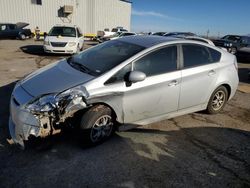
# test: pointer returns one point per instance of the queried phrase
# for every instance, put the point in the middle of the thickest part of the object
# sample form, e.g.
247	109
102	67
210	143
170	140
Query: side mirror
136	76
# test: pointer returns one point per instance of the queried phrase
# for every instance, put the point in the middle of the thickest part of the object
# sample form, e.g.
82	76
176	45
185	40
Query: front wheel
97	125
22	36
217	100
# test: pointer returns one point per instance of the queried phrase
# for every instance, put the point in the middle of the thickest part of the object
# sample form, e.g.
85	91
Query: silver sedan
133	80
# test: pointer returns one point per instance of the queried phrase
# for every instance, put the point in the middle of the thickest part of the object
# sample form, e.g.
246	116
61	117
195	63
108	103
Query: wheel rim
101	129
218	100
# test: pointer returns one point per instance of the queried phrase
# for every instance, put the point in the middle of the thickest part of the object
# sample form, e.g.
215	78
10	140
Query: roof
146	40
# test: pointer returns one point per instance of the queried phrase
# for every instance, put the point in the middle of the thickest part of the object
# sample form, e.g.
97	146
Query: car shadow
244	75
38	50
5	94
187	157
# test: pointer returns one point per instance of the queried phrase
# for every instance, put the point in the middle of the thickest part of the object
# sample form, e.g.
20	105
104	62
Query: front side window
121	75
105	56
63	31
11	27
196	55
158	62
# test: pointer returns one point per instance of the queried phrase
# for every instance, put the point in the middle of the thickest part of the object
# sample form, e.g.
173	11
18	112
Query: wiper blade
81	67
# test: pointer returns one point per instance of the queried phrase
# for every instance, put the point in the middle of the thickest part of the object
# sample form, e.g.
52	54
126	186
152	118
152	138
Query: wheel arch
106	105
228	87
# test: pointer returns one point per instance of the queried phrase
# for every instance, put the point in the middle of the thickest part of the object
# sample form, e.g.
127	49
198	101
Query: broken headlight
69	100
45	103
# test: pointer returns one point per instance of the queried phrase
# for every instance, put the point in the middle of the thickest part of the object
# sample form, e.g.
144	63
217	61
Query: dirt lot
195	150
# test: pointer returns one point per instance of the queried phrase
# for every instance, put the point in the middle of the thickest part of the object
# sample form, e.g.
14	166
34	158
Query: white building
90	15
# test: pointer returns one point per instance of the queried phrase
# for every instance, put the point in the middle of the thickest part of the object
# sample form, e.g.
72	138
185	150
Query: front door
158	94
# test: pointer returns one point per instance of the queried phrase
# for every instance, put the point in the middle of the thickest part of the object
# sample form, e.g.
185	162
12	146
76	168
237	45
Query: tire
217	100
22	36
97	125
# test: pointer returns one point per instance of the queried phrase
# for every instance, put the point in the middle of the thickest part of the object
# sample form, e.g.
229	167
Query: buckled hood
54	78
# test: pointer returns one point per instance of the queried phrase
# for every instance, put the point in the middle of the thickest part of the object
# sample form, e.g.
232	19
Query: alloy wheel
218	100
101	129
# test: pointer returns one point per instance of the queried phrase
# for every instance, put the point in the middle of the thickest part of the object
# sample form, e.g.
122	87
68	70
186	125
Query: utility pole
208	33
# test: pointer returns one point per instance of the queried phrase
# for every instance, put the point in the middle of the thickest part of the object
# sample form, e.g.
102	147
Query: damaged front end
40	116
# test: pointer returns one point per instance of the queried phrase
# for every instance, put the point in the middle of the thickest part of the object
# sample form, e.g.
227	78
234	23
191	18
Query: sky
218	17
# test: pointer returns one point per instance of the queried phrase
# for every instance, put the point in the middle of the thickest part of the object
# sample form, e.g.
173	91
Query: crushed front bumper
22	124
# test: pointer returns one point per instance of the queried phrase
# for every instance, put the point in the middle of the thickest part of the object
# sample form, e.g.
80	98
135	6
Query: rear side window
158	62
197	55
215	55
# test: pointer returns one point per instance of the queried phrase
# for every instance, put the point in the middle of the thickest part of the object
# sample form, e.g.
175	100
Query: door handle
173	83
212	72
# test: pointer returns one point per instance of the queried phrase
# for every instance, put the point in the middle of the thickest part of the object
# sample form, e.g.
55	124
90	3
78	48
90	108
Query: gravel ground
195	150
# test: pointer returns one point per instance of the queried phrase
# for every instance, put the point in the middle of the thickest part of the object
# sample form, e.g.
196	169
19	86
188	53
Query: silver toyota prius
129	81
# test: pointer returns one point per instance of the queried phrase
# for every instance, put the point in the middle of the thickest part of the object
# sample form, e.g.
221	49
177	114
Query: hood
21	25
53	78
60	39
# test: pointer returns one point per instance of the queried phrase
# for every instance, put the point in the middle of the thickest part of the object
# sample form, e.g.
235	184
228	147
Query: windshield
232	38
63	31
105	56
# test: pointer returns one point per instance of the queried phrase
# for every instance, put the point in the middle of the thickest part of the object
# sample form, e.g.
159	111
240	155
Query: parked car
115	36
106	33
123	34
106	38
200	39
9	30
179	34
64	39
159	33
243	54
132	80
233	42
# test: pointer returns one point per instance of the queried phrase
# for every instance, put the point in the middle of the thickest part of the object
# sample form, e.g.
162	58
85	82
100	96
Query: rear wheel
97	125
217	100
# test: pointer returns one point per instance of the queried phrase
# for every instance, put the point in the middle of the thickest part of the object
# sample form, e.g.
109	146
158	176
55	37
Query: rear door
12	31
199	74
